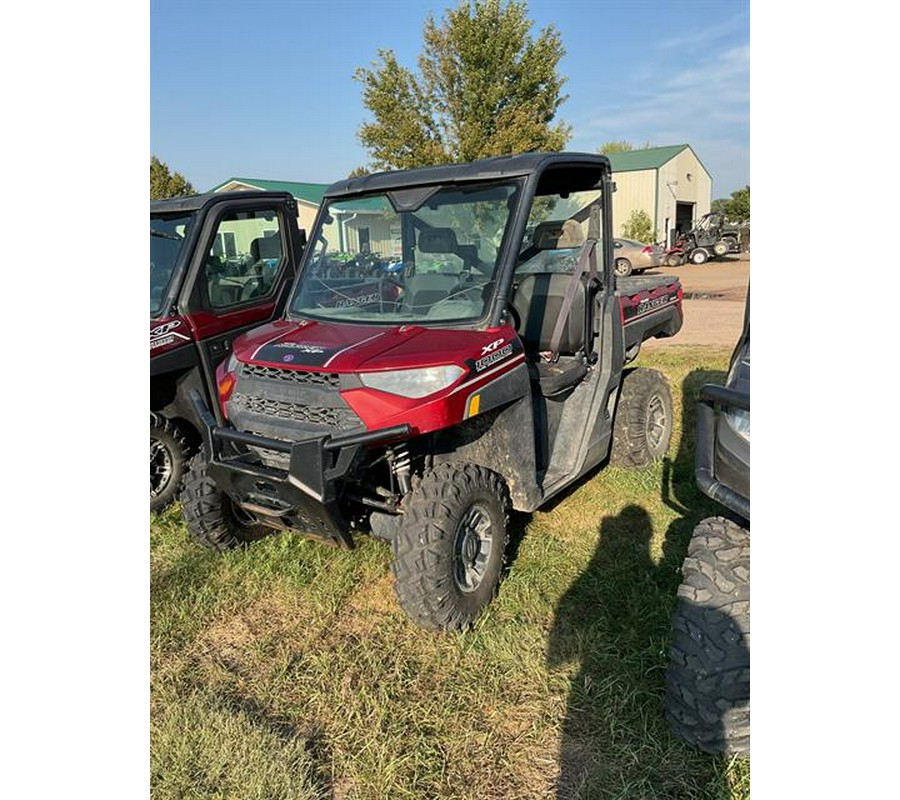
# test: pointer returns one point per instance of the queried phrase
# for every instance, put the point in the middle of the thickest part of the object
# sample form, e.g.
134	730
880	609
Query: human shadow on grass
615	623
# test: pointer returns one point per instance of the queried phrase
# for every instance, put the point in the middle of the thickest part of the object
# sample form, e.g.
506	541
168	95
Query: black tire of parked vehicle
211	518
642	428
450	545
708	680
168	455
622	267
720	248
699	256
675	260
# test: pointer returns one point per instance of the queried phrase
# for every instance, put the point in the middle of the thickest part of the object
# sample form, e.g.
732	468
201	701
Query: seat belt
587	257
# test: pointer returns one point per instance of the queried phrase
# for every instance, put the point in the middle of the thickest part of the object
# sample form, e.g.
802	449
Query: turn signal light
226	387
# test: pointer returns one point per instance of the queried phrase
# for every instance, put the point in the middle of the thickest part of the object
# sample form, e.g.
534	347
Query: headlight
739	420
413	382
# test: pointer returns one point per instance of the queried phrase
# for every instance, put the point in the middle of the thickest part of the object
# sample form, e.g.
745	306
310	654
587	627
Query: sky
265	88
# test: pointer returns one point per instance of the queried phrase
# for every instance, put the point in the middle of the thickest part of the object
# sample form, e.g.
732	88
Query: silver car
635	257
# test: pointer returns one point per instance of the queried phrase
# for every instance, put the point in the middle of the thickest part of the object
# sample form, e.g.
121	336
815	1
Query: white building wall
634	190
684	180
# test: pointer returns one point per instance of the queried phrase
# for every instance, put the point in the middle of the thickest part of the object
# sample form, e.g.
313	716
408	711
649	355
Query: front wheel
622	267
212	519
708	680
699	256
642	428
168	455
450	545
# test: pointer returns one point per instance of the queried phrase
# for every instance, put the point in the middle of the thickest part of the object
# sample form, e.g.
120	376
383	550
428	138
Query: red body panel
169	333
645	302
206	324
346	348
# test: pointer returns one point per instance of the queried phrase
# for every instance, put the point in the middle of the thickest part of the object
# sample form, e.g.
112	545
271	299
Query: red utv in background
220	264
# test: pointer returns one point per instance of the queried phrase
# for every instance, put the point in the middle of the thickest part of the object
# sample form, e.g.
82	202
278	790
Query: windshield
437	262
167	235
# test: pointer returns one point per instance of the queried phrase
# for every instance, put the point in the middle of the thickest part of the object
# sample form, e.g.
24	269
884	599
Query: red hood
360	348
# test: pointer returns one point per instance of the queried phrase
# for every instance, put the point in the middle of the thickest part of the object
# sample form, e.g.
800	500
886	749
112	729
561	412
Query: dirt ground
714	296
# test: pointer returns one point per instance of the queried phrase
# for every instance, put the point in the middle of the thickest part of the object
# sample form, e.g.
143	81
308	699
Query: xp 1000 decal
166	333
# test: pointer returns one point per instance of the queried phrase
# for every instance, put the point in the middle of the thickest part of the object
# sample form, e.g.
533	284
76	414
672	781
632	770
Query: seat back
558	235
265	247
537	300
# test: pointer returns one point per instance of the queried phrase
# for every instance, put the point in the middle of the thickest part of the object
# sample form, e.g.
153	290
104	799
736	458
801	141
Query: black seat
537	303
264	247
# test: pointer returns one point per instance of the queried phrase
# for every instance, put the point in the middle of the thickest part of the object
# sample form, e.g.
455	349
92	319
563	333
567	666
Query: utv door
240	275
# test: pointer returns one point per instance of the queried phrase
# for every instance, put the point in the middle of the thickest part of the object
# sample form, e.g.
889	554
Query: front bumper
305	496
726	485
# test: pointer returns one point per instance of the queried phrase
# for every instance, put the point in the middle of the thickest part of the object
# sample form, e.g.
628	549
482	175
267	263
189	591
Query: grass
287	670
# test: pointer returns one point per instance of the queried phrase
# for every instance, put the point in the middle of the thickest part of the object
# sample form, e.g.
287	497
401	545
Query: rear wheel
212	519
720	248
622	267
168	455
699	256
642	428
674	259
450	544
708	680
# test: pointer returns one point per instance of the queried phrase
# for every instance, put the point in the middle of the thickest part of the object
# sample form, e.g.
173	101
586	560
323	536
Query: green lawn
287	670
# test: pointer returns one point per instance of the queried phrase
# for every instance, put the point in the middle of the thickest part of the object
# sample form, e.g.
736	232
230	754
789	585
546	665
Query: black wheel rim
657	423
472	548
161	467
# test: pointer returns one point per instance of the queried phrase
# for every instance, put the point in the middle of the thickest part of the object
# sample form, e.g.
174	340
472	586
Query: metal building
669	183
308	195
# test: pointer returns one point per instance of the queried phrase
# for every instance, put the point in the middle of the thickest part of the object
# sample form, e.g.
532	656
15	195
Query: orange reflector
474	403
226	386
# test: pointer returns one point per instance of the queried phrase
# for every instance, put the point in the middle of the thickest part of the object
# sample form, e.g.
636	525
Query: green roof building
669	183
308	195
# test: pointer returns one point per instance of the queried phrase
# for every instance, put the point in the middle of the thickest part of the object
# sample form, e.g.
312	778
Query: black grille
342	418
303	377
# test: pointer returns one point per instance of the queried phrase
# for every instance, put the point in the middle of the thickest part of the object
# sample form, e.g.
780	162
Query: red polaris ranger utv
220	264
453	347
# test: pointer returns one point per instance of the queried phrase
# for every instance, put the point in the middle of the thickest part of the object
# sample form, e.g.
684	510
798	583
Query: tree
165	184
358	172
738	208
485	88
621	147
639	227
718	205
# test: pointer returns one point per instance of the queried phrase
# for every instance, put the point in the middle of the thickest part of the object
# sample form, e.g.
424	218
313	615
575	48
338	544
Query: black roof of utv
497	168
195	202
